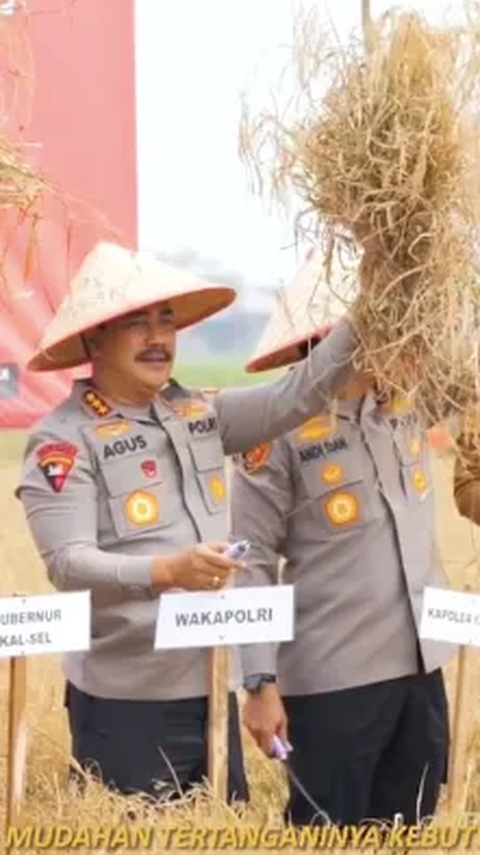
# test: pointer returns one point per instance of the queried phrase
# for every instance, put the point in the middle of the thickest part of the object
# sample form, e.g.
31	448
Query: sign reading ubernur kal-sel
45	623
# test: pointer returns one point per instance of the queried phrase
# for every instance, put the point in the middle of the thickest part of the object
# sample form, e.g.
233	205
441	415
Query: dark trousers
156	748
368	753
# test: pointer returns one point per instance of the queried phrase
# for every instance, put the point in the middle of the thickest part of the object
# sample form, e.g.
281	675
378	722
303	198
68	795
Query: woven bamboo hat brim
113	281
308	307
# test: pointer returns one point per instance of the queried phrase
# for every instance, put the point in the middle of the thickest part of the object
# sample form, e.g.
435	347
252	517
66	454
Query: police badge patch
256	457
55	461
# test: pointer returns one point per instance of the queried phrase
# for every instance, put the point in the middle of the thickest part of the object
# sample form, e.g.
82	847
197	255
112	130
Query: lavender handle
237	550
280	751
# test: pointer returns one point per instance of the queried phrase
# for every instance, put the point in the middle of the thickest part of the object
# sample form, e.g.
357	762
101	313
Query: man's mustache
155	354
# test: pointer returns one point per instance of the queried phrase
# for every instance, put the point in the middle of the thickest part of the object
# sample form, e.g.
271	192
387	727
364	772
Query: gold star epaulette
95	404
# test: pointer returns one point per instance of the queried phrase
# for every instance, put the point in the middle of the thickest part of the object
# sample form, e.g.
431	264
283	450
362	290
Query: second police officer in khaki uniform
124	492
346	499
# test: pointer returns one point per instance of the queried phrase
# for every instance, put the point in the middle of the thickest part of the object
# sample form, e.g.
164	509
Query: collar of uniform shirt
139	414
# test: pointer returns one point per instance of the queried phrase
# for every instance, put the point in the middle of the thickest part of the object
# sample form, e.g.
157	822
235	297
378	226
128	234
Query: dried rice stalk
382	151
20	184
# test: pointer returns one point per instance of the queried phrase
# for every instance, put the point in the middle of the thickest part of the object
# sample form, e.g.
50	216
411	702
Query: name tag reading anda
47	623
229	617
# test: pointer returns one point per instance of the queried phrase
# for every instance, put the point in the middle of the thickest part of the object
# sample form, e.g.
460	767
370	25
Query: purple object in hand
238	549
280	750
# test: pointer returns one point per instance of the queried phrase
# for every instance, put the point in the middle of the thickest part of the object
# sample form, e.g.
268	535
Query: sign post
460	735
454	616
219	620
33	625
218	722
17	738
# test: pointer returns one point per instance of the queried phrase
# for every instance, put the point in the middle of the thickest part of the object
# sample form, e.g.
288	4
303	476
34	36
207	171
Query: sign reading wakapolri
232	616
47	623
451	616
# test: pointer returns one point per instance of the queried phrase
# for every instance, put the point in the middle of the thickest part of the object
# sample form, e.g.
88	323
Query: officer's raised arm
252	415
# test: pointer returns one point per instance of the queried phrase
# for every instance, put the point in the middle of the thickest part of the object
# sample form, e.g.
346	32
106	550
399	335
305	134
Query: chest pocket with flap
413	453
208	459
133	483
341	489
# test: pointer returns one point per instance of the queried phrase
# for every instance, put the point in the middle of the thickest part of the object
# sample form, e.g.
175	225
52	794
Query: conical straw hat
309	306
113	281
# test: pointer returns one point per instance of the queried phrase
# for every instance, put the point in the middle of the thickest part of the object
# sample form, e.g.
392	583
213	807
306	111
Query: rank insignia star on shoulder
95	404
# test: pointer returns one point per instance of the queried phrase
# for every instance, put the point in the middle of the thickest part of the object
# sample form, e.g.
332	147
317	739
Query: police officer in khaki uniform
124	491
346	499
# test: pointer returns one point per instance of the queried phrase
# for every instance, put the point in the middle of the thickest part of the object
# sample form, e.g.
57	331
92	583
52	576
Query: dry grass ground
49	800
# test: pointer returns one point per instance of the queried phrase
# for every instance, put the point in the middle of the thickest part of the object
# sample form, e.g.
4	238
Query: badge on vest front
141	508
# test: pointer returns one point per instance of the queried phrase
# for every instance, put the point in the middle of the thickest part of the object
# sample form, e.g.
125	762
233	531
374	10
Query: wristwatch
254	682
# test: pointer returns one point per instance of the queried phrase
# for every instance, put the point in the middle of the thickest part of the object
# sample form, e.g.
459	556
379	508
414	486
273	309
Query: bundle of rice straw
21	185
386	160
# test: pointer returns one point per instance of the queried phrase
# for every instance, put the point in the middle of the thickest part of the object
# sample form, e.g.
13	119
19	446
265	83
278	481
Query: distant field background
49	798
220	373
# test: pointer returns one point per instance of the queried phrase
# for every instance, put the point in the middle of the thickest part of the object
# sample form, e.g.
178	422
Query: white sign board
47	623
451	616
232	616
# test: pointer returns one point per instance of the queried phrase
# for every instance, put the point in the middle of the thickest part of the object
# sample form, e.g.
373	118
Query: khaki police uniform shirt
347	500
107	488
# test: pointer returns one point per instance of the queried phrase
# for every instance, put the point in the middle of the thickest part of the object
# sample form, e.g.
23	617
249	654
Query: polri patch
55	460
256	457
95	403
203	427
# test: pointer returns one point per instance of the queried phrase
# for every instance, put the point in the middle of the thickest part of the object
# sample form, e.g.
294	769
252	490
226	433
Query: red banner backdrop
79	130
